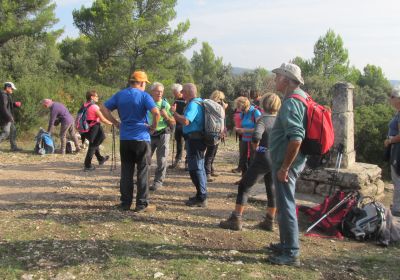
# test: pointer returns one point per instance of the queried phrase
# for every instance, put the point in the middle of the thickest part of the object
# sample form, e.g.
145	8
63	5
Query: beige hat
290	70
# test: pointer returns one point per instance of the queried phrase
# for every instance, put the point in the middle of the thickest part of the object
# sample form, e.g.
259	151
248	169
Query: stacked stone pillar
352	175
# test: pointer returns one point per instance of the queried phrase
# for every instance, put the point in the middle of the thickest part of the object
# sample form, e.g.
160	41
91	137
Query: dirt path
58	222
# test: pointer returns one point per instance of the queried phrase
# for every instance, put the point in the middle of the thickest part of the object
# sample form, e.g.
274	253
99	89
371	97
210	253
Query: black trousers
179	142
259	167
134	154
211	152
95	136
246	153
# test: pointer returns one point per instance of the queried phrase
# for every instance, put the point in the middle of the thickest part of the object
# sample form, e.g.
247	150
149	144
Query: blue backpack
44	143
81	122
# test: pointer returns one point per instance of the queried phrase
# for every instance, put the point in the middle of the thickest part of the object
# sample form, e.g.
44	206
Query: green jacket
290	125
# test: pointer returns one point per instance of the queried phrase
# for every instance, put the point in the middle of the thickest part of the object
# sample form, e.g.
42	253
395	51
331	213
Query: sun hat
10	84
139	76
291	71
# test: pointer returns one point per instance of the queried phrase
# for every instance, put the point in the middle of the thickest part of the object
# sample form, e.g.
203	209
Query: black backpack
365	220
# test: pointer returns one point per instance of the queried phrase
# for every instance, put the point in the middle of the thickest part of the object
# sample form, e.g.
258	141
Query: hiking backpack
44	143
81	122
319	131
214	124
364	220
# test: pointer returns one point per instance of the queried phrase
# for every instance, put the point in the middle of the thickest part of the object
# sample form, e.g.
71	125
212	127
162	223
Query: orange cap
139	76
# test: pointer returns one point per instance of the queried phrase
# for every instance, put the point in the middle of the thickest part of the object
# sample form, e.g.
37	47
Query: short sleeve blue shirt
249	121
132	105
194	113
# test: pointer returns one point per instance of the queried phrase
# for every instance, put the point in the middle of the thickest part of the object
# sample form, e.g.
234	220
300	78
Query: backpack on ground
44	143
81	122
214	125
365	220
319	131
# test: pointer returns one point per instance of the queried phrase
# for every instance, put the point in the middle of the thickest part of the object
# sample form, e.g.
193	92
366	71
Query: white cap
10	84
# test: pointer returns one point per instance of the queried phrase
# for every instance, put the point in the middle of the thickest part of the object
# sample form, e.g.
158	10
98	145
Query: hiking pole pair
334	180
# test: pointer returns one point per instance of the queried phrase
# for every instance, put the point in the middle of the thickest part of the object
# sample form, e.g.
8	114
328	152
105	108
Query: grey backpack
214	125
366	220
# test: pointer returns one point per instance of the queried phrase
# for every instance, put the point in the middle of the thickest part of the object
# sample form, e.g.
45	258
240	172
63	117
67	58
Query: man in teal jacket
287	161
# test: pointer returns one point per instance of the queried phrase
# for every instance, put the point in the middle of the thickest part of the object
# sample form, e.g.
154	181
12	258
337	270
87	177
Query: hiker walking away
394	141
95	135
160	137
132	104
180	104
211	151
287	161
248	117
193	129
7	121
59	114
260	167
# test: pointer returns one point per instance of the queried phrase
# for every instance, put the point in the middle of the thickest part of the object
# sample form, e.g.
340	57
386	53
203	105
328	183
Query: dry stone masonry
352	175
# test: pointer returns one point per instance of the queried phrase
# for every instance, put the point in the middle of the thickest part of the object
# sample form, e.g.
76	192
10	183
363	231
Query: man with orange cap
132	104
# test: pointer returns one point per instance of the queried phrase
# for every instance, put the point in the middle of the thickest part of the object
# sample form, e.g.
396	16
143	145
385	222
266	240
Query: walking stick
345	199
113	154
173	145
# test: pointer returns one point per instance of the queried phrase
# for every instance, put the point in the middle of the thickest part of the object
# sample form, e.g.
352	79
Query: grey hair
176	88
155	85
396	92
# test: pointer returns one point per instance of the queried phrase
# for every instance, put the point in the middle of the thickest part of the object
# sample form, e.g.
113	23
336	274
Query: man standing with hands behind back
132	104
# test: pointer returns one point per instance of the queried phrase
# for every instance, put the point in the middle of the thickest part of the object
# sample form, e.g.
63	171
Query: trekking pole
337	166
173	146
113	154
345	199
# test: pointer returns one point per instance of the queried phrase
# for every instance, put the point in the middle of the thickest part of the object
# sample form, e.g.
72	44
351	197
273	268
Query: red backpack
319	131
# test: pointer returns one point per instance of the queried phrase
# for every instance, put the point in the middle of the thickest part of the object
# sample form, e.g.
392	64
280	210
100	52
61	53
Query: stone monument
351	175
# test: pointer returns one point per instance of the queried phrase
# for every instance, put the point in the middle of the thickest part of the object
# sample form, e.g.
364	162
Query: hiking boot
148	209
155	187
90	168
285	260
209	179
234	222
101	162
267	224
176	164
275	247
236	170
123	207
195	202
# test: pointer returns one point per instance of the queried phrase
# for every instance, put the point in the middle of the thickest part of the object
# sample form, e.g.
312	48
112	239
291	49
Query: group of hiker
271	132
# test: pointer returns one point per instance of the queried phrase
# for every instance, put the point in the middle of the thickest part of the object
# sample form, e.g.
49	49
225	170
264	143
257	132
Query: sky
265	33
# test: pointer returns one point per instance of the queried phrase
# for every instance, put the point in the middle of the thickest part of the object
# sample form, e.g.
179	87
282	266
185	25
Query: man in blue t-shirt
132	104
193	127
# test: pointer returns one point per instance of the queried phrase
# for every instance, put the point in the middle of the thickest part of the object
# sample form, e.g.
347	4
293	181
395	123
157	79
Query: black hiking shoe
285	260
145	209
195	202
101	162
123	207
267	224
234	222
88	169
274	247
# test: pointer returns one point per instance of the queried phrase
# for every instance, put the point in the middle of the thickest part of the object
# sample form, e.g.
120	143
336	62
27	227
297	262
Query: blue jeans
195	157
287	218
